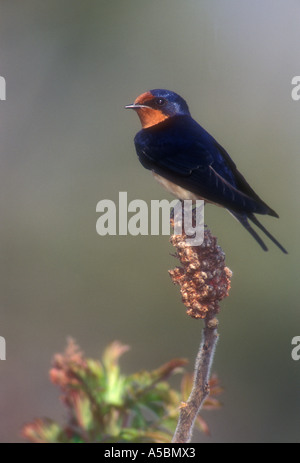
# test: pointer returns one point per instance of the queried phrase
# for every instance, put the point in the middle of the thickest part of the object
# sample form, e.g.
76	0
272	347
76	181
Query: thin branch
200	391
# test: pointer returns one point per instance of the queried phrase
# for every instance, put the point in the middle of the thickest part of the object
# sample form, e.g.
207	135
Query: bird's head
158	105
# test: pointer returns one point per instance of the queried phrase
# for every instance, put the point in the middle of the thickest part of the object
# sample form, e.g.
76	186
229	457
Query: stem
200	391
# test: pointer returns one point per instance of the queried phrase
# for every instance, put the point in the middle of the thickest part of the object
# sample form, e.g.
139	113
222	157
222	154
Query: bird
189	163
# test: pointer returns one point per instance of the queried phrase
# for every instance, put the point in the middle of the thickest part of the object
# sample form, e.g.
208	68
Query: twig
200	391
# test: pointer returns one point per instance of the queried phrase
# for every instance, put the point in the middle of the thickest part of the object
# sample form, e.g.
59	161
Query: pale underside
178	191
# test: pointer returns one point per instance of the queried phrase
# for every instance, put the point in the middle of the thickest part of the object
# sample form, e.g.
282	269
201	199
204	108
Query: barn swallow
190	163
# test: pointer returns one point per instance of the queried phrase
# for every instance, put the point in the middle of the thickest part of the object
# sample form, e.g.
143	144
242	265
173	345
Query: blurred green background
66	143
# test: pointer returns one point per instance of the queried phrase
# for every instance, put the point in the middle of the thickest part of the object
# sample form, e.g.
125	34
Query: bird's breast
176	190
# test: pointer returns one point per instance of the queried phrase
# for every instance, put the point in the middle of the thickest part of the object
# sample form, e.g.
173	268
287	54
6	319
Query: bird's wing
202	171
184	153
241	184
181	160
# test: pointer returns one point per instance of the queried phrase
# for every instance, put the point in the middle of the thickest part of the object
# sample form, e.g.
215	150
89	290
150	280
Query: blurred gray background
66	143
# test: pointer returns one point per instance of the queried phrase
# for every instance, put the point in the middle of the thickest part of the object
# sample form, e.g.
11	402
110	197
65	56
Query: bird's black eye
160	101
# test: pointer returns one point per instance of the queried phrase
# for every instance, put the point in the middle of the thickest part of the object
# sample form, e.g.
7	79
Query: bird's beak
135	106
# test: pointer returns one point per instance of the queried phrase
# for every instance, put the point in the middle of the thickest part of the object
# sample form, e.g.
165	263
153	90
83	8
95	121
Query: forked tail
243	219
